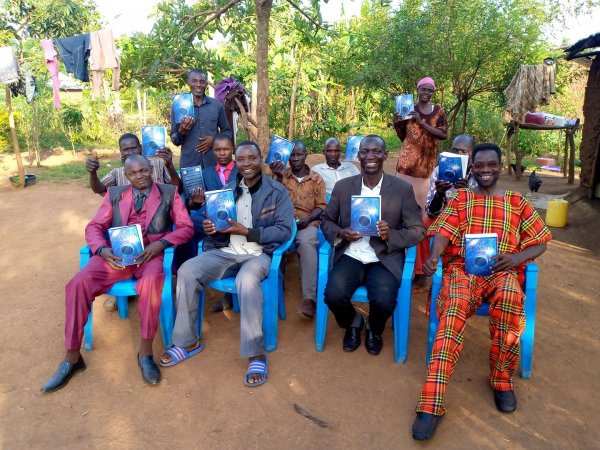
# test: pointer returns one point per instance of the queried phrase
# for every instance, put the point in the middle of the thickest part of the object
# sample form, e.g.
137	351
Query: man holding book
195	133
163	169
265	216
307	191
156	208
521	237
374	261
333	170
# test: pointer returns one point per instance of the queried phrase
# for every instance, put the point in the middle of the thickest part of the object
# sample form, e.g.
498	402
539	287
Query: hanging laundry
531	86
52	66
74	52
9	69
104	55
30	86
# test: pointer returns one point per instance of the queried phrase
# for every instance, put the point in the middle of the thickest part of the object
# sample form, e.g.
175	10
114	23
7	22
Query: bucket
556	214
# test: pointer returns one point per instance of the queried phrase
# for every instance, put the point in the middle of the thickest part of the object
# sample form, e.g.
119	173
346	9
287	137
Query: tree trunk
263	14
15	139
464	123
292	122
139	105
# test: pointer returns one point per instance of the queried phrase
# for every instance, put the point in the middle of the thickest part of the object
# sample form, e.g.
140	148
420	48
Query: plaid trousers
459	298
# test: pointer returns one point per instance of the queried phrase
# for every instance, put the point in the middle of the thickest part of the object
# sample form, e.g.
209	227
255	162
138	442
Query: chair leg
270	311
200	319
401	322
280	297
87	331
123	306
436	284
321	320
167	315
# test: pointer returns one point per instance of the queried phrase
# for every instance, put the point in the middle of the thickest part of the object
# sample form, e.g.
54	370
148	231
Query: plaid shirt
511	217
307	194
116	177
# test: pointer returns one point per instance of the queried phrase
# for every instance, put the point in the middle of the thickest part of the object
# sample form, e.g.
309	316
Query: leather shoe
506	401
373	342
352	337
424	426
61	377
307	309
150	371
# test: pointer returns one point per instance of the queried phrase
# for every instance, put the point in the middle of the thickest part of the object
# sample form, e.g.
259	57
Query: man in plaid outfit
522	237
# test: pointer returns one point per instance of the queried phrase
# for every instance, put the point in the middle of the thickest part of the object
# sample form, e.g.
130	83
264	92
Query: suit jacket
164	208
398	208
212	182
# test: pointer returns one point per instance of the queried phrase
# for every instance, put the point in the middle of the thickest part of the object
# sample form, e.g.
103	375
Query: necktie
139	202
222	175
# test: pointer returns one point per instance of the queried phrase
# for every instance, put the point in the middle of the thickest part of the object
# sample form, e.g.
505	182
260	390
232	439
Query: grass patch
75	171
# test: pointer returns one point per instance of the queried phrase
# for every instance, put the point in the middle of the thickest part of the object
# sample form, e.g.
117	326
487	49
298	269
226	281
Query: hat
426	80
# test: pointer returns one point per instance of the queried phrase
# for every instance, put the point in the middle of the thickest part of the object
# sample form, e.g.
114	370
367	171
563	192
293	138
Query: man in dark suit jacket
156	208
376	262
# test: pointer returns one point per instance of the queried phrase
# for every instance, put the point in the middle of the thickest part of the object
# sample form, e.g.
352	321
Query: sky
126	17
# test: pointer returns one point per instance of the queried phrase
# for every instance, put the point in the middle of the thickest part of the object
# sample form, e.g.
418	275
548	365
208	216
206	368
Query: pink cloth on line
52	66
426	80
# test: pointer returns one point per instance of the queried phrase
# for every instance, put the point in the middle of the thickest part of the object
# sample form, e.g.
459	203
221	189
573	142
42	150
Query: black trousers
382	289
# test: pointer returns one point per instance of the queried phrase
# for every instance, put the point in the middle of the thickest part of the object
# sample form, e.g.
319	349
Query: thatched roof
588	43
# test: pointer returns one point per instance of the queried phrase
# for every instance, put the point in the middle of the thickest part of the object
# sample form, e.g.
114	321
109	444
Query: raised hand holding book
183	105
452	167
405	104
352	146
280	149
192	178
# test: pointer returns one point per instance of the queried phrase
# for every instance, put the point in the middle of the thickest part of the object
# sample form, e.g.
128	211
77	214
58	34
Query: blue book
192	178
452	167
352	146
365	211
153	139
220	207
280	149
405	104
479	251
127	243
183	105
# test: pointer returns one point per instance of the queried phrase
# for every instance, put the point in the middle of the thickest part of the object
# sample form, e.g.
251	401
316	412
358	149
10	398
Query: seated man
376	262
522	236
163	169
442	191
266	218
307	191
156	208
332	170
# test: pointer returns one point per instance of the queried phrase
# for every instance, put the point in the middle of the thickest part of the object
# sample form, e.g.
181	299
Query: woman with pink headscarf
420	132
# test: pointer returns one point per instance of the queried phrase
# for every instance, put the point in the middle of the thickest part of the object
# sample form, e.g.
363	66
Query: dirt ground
366	401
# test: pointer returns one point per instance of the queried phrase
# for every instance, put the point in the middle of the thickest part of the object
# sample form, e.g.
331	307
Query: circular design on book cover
153	145
277	156
222	214
481	261
184	111
364	221
449	174
127	250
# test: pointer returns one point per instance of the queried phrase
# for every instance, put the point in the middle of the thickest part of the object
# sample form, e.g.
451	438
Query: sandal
256	367
179	354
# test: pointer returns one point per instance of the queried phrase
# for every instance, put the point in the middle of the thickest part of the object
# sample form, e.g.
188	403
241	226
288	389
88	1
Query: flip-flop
179	354
256	367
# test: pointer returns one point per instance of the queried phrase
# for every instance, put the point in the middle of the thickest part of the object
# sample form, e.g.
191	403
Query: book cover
280	149
154	138
405	104
126	243
365	211
220	207
192	178
183	105
452	167
479	250
352	146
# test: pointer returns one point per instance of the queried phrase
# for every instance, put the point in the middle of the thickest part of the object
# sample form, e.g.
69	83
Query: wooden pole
571	137
15	139
508	144
566	155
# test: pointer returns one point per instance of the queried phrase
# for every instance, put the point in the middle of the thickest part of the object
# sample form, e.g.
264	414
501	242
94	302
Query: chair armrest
200	246
84	256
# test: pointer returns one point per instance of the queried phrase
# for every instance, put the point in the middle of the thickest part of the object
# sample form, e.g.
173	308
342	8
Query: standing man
163	169
332	170
307	191
266	218
522	237
376	262
195	134
156	208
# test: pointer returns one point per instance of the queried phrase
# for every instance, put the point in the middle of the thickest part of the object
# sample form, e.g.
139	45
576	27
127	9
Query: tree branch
214	17
315	23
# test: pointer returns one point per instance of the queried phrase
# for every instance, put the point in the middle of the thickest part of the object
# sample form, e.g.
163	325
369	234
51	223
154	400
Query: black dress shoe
352	337
373	342
506	401
425	425
61	377
150	371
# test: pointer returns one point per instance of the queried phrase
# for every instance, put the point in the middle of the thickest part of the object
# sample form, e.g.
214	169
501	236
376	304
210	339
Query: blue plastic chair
272	287
527	338
401	316
126	288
